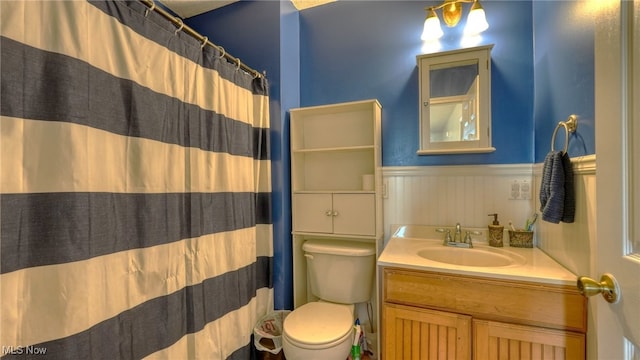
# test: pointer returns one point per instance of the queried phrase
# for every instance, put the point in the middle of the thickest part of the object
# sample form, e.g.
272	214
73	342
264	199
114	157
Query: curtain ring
238	64
180	28
146	12
223	51
204	42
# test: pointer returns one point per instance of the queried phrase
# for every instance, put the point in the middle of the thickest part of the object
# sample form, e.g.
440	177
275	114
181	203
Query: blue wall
368	49
542	71
564	75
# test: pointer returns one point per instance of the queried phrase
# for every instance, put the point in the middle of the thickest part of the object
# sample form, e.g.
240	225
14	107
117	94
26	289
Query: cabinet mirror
455	101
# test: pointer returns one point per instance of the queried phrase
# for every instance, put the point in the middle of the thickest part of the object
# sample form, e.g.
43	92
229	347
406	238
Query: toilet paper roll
367	182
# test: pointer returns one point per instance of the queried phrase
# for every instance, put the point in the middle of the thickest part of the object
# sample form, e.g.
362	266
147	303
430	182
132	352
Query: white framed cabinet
335	170
336	181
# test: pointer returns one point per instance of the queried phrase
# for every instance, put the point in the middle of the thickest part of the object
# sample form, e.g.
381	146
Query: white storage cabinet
332	147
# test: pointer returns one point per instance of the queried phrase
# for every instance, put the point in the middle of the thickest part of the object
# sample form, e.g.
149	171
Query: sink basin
471	257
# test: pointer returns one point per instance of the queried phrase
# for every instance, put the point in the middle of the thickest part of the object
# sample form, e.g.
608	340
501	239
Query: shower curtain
135	188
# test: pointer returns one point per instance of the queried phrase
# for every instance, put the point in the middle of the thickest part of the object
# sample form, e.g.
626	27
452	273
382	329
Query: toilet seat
318	325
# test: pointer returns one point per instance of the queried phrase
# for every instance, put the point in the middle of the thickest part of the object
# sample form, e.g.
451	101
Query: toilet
340	273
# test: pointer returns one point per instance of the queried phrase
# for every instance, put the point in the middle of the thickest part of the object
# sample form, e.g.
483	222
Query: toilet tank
340	271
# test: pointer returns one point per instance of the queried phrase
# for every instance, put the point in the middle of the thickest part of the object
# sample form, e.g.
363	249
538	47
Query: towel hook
570	126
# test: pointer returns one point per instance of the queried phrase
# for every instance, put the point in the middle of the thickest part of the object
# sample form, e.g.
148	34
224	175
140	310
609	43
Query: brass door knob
608	287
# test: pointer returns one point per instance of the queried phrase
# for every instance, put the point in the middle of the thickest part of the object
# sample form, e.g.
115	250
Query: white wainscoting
446	195
571	244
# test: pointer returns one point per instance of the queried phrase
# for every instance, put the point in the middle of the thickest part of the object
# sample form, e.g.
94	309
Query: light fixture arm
437	7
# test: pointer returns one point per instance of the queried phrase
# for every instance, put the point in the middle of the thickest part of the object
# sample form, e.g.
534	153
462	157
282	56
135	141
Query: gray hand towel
557	198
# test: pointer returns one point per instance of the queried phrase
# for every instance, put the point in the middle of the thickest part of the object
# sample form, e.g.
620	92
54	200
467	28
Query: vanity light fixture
451	14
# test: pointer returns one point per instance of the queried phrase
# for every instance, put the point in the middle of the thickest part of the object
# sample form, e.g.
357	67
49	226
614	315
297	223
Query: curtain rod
203	39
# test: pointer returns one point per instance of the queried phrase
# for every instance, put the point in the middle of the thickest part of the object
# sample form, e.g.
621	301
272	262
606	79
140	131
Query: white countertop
402	252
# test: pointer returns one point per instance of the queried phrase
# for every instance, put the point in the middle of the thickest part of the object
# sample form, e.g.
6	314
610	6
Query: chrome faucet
457	240
457	237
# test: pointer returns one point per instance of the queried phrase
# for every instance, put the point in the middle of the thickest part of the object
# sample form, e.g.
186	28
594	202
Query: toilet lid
318	323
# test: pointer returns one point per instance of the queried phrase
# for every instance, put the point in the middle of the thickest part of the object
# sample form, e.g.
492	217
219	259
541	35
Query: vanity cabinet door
414	333
495	340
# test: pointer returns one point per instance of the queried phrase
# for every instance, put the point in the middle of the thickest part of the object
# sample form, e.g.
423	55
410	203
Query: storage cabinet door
495	340
354	214
313	213
414	333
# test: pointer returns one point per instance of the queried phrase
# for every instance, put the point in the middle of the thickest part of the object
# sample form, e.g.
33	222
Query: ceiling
189	8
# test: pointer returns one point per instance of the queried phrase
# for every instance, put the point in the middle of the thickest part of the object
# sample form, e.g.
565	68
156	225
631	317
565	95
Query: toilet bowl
340	274
318	331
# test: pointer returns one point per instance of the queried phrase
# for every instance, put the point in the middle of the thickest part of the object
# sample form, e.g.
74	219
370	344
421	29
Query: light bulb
432	30
476	21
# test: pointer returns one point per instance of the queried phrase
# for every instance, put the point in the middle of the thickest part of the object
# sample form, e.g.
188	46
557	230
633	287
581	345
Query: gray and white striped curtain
135	188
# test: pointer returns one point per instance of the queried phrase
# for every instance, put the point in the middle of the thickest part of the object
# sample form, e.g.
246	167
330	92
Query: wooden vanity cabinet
430	315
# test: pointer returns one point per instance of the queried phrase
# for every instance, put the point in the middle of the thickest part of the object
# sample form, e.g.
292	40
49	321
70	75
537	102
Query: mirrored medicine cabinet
455	101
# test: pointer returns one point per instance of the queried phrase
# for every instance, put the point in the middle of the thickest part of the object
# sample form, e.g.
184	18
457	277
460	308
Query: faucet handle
467	239
447	237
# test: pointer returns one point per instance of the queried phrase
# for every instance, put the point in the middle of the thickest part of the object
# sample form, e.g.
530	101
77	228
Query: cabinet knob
328	213
335	213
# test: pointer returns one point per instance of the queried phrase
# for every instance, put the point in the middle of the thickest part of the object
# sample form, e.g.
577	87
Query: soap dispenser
495	232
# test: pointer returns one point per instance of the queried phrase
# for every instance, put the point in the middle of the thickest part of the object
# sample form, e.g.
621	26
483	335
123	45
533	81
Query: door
354	214
496	340
617	79
313	213
414	333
